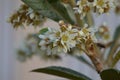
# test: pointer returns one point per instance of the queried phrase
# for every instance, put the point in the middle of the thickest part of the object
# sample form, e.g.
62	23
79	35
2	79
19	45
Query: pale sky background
10	39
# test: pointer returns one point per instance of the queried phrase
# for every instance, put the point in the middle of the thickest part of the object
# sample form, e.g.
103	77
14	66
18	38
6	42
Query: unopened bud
61	22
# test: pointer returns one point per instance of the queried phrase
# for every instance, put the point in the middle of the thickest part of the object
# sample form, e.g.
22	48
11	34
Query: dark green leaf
53	9
64	10
62	72
42	31
110	74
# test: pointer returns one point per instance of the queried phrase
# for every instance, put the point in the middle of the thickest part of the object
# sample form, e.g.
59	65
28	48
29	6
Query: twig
93	55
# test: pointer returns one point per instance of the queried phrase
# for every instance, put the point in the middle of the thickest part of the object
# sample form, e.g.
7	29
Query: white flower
96	6
65	38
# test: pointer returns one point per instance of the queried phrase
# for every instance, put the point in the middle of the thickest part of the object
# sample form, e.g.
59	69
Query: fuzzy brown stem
93	55
97	63
94	58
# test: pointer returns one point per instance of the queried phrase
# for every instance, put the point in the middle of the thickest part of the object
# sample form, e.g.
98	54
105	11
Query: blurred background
11	39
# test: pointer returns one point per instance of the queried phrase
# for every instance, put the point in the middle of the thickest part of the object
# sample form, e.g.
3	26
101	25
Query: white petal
42	36
32	15
81	33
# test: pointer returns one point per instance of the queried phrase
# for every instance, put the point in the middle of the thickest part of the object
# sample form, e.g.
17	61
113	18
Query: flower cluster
25	16
96	6
65	38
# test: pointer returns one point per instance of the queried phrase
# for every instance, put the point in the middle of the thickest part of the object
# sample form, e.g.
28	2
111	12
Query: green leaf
44	30
81	58
114	45
53	9
116	58
116	38
62	72
110	74
117	33
65	10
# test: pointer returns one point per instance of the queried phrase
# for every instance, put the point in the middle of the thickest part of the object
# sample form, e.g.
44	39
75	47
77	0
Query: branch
93	55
